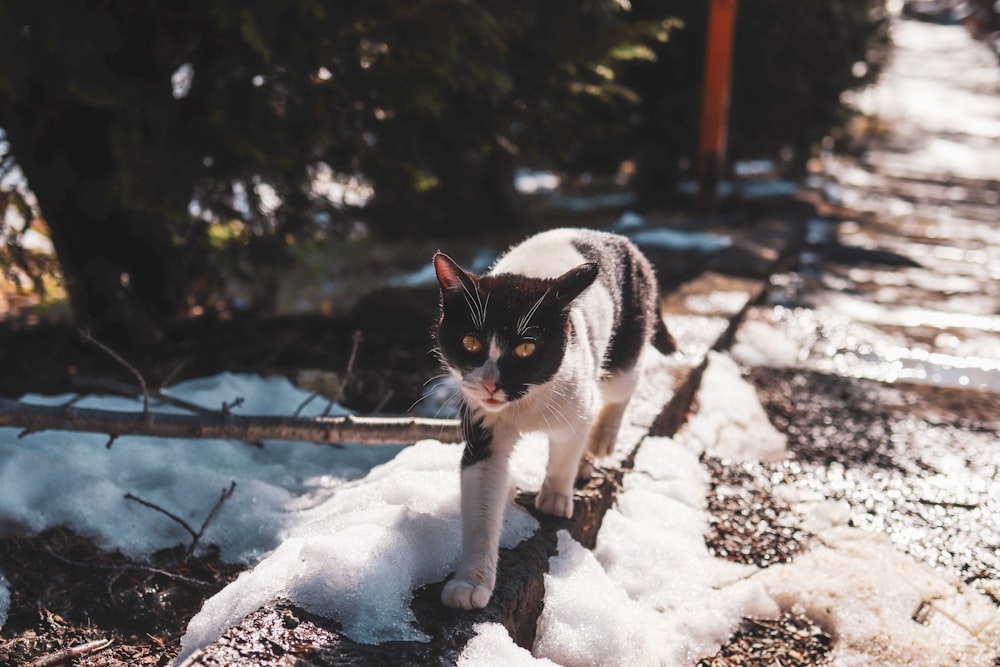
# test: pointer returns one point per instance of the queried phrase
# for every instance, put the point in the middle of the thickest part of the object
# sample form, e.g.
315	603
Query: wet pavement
878	356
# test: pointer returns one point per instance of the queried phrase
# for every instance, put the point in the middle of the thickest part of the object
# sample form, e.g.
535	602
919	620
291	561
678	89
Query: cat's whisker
436	377
558	413
450	404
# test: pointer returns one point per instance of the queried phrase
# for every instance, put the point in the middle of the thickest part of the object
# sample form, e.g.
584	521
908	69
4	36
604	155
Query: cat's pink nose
490	385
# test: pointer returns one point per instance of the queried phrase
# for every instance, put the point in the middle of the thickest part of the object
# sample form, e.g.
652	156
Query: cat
548	340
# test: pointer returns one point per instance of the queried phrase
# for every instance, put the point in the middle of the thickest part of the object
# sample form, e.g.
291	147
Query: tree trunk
119	264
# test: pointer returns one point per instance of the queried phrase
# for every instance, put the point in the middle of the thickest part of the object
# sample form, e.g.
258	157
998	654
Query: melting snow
4	600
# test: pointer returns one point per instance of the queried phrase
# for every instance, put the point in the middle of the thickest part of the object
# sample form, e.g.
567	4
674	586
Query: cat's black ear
571	284
450	275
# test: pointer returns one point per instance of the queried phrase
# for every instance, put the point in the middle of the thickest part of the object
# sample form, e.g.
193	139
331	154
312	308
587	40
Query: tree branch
85	335
364	430
65	655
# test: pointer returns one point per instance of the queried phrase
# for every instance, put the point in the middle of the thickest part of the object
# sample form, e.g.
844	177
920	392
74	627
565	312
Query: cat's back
552	253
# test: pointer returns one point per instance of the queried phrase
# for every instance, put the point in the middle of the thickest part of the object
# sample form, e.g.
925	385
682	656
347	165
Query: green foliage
193	130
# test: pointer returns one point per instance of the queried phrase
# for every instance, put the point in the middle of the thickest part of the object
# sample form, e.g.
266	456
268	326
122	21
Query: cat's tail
662	340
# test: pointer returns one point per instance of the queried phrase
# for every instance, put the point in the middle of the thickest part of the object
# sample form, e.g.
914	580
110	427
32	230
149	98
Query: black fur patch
630	280
478	438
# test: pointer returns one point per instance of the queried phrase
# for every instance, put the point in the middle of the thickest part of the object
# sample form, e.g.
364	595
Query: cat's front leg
556	495
485	490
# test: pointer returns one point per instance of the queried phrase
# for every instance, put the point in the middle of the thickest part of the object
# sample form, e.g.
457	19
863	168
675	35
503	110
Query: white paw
462	594
555	504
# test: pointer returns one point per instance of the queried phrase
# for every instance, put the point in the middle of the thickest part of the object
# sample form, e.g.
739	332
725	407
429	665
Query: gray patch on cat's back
629	279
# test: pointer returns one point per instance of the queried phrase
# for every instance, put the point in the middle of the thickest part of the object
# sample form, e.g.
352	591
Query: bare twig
174	372
356	339
65	655
226	495
85	335
132	567
153	506
303	404
104	385
337	391
227	407
195	535
365	430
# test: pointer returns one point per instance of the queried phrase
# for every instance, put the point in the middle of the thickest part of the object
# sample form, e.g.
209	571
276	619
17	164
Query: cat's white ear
449	274
572	283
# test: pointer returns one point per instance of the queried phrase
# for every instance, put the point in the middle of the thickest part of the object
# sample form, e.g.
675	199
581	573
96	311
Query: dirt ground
67	593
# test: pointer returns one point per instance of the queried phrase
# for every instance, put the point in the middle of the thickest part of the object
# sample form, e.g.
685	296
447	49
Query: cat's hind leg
556	495
616	390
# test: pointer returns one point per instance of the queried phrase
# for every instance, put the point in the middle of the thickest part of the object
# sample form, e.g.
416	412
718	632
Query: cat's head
503	334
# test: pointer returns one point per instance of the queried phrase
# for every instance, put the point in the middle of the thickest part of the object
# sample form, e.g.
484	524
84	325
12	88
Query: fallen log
220	426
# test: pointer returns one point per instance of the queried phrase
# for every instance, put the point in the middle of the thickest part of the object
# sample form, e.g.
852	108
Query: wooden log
365	430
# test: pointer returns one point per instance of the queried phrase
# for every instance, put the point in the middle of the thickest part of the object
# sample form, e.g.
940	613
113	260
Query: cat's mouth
492	403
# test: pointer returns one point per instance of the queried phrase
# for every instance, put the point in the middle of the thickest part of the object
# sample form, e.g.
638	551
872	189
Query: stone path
879	357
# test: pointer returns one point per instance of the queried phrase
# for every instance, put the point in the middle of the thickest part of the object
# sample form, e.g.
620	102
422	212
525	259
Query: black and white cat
548	340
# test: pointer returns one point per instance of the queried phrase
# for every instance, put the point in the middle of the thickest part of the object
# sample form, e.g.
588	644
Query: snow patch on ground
4	600
357	555
729	422
57	478
493	647
882	607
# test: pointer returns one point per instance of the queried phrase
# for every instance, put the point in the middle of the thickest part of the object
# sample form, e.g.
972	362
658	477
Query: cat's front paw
462	594
554	504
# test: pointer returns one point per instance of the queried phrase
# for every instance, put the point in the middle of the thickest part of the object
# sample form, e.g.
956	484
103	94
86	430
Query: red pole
715	104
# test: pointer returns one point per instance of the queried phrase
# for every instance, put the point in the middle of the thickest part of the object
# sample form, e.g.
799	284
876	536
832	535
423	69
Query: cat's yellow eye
524	350
472	344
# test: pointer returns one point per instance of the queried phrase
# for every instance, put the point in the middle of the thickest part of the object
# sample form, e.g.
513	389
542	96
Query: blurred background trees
167	143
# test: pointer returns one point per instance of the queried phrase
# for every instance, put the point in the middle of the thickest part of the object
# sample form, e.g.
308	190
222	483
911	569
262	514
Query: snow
358	554
729	422
4	600
350	532
649	593
57	478
857	585
493	647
